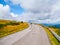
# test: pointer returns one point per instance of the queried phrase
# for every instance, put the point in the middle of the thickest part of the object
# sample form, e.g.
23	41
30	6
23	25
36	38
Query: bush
21	21
13	23
2	25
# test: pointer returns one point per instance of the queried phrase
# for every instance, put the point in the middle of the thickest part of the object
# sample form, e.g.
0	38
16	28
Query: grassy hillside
8	27
57	30
4	21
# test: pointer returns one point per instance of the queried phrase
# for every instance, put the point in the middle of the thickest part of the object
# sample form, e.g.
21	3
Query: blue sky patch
14	8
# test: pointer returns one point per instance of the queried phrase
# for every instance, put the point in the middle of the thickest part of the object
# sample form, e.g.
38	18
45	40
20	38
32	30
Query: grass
4	21
56	30
53	40
10	28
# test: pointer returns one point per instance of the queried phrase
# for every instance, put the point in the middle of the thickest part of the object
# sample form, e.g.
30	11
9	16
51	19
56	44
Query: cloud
13	15
34	9
4	9
46	11
26	16
48	21
55	13
5	13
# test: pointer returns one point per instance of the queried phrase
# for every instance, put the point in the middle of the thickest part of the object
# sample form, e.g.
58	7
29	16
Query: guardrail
57	36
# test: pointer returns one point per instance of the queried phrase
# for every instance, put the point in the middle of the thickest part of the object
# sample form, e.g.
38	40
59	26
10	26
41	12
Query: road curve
37	36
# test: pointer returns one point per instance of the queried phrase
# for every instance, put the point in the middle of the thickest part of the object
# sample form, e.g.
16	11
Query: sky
38	11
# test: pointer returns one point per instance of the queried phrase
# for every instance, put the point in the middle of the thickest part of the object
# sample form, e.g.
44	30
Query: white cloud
48	21
31	16
35	9
4	10
33	5
13	15
5	13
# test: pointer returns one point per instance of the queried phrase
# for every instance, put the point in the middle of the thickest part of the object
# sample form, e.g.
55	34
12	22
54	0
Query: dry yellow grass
9	29
56	30
4	21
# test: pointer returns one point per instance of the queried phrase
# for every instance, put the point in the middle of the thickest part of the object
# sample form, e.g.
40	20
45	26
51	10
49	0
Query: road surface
37	36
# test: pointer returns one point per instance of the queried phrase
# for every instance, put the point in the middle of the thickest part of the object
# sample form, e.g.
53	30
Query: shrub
21	21
2	25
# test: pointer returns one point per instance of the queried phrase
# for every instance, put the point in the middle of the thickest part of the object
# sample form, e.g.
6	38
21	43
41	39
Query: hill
8	27
57	25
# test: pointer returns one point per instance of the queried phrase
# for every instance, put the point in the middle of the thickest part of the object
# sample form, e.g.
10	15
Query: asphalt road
37	36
